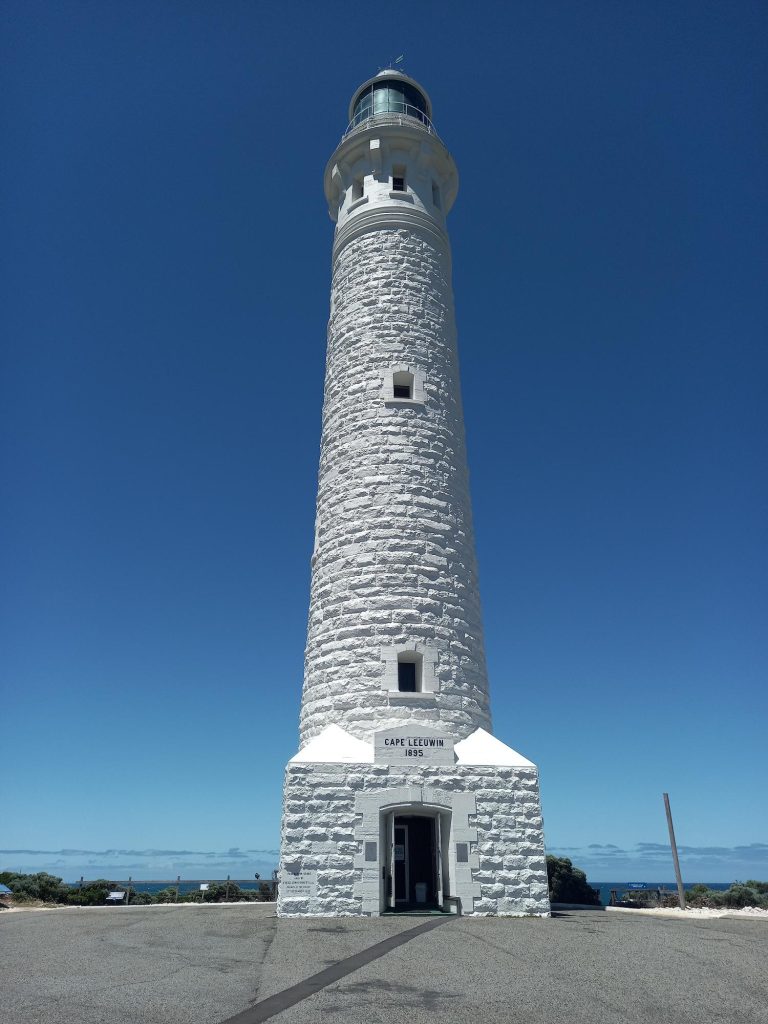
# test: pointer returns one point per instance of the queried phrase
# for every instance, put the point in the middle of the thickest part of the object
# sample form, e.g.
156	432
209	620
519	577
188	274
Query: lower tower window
410	671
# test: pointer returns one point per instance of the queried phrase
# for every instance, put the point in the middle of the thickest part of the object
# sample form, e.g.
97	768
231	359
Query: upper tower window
398	178
402	385
435	194
358	187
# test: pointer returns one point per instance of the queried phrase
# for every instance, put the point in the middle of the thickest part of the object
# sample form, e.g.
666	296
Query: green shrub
249	895
50	889
697	890
748	894
39	886
568	884
141	898
696	896
742	896
93	894
217	892
165	896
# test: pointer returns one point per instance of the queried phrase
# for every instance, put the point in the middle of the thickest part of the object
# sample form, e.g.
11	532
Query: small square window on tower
402	384
398	178
409	672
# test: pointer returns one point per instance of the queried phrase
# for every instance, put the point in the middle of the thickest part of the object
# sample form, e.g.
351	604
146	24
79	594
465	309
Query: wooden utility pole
673	844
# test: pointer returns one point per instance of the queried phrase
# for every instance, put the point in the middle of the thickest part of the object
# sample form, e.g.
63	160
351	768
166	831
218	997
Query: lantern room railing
396	113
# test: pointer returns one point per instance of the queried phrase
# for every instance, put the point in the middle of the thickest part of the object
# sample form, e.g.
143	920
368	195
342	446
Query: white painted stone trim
412	698
335	746
388	385
430	684
480	747
375	152
412	800
395	216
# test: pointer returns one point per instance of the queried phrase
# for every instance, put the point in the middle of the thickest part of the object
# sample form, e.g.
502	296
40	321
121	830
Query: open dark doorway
415	870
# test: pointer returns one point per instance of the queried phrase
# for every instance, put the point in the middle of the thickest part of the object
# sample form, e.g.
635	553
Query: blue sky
166	254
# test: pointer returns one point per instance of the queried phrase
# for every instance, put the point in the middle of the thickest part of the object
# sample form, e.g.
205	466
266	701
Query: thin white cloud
704	862
115	862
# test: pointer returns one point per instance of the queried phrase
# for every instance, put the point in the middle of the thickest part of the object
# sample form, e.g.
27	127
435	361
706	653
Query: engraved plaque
413	745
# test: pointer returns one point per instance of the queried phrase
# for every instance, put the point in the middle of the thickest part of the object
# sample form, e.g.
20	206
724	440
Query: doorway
414	869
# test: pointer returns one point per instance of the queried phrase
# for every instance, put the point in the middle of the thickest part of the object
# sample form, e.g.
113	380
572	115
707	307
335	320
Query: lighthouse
399	798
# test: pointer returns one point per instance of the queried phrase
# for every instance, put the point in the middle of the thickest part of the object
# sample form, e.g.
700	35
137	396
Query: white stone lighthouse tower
399	797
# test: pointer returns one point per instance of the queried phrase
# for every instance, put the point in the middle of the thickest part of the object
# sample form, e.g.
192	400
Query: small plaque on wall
298	883
412	745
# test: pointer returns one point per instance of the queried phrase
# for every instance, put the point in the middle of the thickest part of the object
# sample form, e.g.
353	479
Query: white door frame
391	896
390	862
438	860
374	807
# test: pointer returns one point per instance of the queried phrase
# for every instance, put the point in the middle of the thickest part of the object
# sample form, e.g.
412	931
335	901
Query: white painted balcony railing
398	113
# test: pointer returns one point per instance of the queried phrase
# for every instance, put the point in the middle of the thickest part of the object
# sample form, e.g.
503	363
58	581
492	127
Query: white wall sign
298	883
412	744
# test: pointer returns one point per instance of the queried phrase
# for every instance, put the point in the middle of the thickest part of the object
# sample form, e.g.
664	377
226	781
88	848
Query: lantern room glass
390	96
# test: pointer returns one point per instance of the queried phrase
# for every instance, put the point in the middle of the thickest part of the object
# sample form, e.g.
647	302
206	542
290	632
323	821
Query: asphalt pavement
210	964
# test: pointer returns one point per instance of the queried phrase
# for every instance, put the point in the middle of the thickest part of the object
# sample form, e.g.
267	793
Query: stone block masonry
331	811
394	562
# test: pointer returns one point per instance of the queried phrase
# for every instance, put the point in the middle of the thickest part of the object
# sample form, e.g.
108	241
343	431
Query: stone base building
359	836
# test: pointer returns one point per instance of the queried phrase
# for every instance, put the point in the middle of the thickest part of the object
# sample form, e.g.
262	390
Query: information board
298	883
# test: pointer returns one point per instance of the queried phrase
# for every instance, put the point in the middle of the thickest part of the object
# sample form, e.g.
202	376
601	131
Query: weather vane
394	63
